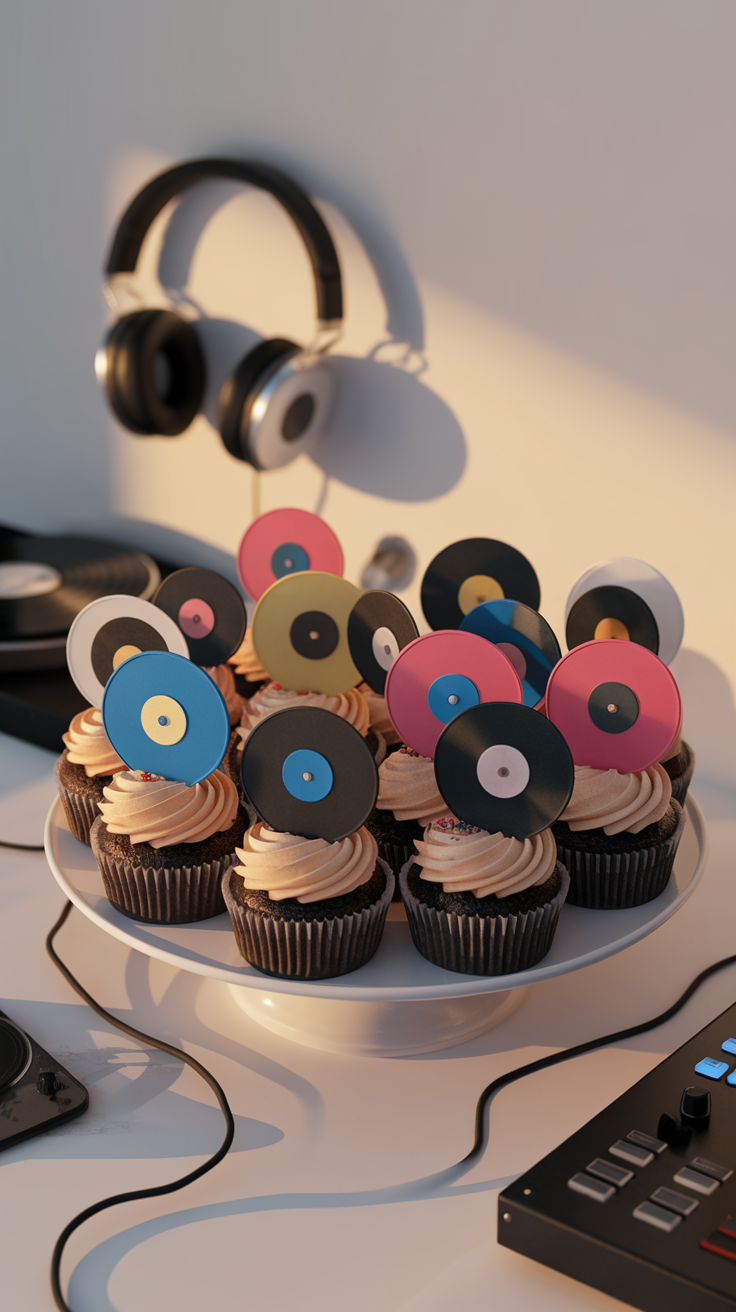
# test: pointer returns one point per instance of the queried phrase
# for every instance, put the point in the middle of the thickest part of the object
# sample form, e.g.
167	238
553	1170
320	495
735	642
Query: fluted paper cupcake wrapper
612	881
175	896
308	949
80	811
396	855
482	945
681	785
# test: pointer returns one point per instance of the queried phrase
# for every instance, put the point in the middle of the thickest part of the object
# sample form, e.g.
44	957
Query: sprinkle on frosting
88	745
350	706
464	859
618	803
245	661
407	786
159	811
309	869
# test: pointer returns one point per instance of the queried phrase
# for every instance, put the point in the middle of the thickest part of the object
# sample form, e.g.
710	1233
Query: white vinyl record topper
109	630
646	582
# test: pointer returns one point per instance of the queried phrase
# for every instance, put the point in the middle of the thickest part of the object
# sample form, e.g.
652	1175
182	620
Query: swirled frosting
380	719
223	676
88	745
350	706
464	859
244	661
161	812
618	803
309	869
407	786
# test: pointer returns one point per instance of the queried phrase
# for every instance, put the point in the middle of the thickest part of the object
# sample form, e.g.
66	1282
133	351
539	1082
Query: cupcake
307	908
680	765
87	763
247	669
350	706
163	846
408	800
483	903
381	721
225	680
618	836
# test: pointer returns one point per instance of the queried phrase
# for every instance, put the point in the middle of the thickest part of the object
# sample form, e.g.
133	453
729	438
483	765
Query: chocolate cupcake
408	800
87	763
225	679
307	908
618	836
350	706
247	669
680	766
480	903
163	847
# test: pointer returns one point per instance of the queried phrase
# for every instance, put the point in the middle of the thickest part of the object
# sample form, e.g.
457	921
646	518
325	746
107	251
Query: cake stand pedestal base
377	1029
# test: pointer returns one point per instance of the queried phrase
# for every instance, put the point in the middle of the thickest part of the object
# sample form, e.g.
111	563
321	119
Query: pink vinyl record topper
440	674
616	703
285	542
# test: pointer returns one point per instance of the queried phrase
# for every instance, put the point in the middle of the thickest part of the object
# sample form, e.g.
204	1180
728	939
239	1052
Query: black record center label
612	612
314	634
120	638
335	757
379	627
613	707
504	768
467	573
208	610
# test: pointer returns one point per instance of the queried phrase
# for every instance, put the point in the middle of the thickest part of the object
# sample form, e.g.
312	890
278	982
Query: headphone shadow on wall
374	427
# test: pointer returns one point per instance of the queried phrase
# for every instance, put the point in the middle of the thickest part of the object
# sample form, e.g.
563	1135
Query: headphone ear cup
154	372
270	410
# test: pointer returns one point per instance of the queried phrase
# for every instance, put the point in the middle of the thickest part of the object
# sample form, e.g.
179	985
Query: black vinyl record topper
612	612
467	573
308	772
208	610
379	627
504	768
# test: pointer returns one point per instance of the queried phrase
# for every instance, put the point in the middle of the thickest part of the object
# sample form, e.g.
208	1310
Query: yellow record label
164	720
300	632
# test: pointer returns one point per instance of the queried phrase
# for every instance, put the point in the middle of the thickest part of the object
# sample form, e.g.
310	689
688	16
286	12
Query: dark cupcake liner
611	881
80	810
682	782
162	897
308	949
396	855
483	945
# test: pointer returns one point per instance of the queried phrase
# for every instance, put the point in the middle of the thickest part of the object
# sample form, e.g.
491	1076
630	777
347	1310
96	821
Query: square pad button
731	1079
719	1173
675	1201
700	1184
610	1172
729	1046
628	1152
595	1189
711	1068
659	1217
647	1141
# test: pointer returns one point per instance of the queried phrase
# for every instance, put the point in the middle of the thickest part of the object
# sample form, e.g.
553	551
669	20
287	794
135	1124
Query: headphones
274	404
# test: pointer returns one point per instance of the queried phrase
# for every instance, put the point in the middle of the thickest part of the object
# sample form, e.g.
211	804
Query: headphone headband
149	202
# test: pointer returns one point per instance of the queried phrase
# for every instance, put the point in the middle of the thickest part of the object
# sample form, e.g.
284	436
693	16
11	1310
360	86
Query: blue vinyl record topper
524	636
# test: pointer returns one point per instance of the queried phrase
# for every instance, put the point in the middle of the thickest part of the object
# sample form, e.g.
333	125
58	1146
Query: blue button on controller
729	1045
731	1079
712	1069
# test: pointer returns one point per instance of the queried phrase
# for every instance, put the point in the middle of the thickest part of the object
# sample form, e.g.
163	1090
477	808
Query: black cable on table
23	847
157	1190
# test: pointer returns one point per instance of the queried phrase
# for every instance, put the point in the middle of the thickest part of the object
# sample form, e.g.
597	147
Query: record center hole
307	777
453	699
164	720
288	563
612	708
314	635
503	772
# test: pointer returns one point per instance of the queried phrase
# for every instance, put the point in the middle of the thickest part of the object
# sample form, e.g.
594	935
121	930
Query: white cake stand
399	1003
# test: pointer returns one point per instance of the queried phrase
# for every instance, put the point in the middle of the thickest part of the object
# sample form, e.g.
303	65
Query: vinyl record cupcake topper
627	599
164	715
441	674
504	768
616	703
285	542
470	572
308	772
523	636
110	630
208	610
300	632
379	627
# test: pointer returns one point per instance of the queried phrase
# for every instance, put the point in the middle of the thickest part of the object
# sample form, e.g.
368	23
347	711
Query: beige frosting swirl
88	744
161	812
380	719
245	661
464	859
350	706
618	803
407	786
223	676
309	869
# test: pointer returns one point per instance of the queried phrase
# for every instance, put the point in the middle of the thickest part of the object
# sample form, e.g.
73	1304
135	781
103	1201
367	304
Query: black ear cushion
239	391
155	372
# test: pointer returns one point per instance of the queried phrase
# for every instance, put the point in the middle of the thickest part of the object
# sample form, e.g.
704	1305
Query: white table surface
327	1199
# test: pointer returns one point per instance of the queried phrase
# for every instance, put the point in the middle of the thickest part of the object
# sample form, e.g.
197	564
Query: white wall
534	204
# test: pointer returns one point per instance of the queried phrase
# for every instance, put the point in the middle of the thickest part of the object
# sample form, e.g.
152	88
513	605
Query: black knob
677	1136
695	1107
46	1083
